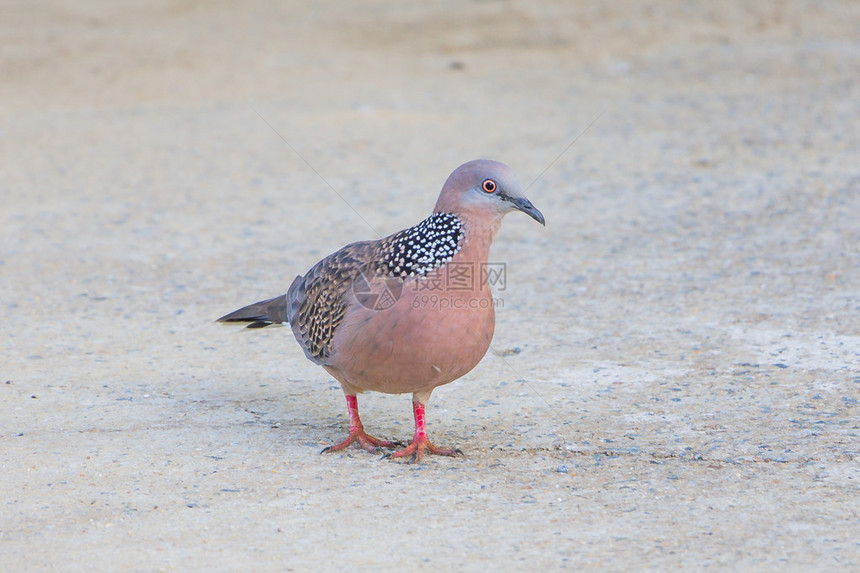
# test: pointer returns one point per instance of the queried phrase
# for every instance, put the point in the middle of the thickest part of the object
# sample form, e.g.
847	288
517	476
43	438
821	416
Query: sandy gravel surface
676	369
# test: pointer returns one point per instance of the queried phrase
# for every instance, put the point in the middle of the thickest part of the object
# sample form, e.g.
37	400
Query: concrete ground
675	375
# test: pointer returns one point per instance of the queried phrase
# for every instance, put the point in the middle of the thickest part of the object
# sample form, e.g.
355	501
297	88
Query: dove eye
488	185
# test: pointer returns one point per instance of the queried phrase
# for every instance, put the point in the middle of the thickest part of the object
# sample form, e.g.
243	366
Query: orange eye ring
489	186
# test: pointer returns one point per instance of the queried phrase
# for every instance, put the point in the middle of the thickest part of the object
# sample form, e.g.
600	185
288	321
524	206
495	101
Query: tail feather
260	314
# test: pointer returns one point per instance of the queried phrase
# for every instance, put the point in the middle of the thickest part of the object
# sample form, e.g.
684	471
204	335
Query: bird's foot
418	447
367	443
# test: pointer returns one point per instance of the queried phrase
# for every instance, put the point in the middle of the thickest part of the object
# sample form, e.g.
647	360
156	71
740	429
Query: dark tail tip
260	314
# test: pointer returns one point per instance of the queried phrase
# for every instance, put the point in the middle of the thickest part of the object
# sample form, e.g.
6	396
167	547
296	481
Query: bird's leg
357	434
420	443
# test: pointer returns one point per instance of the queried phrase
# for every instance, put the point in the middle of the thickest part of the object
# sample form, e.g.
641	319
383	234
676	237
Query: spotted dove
408	312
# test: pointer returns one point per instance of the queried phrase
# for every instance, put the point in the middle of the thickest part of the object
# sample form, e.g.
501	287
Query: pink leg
357	434
420	443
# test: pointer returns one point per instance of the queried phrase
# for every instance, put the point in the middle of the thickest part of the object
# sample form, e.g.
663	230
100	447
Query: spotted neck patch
418	250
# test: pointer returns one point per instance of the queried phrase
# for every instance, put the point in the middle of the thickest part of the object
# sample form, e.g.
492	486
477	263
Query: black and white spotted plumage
316	303
422	248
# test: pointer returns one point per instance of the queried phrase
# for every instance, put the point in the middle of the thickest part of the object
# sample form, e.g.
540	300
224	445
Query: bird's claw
418	447
366	442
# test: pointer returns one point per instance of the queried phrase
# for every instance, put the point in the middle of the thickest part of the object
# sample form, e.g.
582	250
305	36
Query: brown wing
318	301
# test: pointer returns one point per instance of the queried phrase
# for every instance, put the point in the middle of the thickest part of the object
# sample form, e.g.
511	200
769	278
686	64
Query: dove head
484	190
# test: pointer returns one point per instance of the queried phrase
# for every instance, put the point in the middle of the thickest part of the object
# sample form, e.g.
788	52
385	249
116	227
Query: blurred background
677	355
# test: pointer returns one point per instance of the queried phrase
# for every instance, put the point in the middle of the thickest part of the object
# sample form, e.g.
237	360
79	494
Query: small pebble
562	469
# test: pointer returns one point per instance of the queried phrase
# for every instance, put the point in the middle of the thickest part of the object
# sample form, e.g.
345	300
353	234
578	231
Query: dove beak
524	205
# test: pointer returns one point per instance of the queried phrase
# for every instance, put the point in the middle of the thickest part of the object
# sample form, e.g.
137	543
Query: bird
406	313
